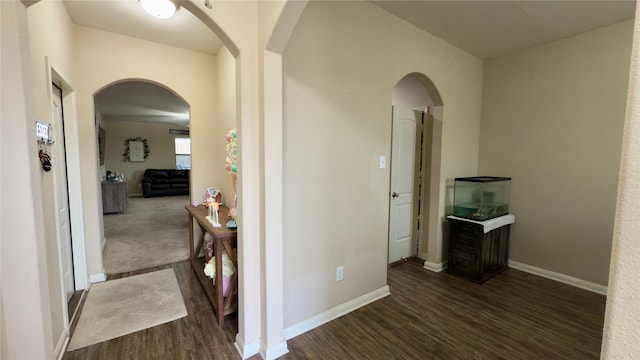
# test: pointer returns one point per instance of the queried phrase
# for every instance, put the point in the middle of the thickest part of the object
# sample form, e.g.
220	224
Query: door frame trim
74	185
57	200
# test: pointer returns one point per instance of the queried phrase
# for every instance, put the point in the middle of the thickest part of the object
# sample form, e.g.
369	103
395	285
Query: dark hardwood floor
196	336
514	315
429	315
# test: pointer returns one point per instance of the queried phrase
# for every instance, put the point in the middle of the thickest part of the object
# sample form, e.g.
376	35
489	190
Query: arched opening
415	199
144	159
87	82
211	115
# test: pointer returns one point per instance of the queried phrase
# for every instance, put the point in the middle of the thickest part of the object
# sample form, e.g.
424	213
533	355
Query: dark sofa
165	182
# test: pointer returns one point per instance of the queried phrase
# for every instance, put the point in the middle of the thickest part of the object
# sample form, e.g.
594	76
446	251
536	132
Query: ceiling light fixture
162	9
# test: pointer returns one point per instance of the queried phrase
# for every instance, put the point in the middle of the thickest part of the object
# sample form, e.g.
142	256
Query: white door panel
404	221
402	177
404	163
62	198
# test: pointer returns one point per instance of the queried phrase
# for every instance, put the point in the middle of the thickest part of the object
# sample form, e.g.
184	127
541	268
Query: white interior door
62	198
402	177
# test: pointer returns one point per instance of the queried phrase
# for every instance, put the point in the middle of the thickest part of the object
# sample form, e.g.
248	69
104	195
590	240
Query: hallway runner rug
123	306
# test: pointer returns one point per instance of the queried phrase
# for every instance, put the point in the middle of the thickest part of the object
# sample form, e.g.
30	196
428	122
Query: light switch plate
339	273
383	162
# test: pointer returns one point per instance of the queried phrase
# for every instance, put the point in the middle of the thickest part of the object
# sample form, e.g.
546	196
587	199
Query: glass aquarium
481	197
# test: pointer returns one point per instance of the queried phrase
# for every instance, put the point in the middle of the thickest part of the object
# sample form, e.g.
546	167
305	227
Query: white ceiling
141	101
485	28
127	17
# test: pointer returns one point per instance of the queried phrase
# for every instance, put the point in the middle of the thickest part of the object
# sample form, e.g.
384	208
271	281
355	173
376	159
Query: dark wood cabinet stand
475	254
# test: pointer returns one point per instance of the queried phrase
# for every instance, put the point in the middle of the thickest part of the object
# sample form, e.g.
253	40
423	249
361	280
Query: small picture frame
136	151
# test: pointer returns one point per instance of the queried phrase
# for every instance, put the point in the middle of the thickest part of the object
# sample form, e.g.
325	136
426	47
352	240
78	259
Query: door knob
395	194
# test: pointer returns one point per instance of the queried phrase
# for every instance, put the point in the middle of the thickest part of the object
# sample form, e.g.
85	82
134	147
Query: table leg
217	245
191	252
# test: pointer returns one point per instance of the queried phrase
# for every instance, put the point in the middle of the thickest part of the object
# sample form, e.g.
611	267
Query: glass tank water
481	198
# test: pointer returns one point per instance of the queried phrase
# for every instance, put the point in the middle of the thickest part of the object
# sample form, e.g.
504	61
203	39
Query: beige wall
338	88
226	110
102	58
276	21
27	319
552	119
161	149
51	36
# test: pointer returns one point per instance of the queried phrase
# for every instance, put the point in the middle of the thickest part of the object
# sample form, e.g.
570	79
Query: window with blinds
183	153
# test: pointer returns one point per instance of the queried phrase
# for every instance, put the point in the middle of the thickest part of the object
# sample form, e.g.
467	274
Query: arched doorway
142	112
415	172
112	62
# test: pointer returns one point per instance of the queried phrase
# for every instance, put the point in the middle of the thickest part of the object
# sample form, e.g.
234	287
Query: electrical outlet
339	273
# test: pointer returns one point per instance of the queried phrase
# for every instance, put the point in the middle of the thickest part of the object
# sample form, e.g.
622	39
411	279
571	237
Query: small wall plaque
136	151
44	132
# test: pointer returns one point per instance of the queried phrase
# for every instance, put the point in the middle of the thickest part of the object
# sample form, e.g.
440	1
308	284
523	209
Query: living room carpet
123	306
153	231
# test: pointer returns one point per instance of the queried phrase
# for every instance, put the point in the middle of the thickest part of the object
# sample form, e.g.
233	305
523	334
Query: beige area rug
153	231
123	306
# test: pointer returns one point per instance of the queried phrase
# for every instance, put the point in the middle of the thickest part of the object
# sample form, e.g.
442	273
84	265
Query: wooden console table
114	197
222	238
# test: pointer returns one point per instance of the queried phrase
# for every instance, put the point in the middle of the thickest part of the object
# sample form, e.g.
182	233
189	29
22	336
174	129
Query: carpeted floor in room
152	232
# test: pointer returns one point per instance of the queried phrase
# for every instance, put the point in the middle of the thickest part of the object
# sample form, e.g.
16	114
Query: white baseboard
435	267
565	279
335	312
274	352
96	278
61	347
246	350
